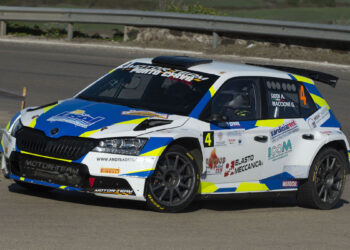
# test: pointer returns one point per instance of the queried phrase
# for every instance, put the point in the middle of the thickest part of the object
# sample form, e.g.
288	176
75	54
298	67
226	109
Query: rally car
168	129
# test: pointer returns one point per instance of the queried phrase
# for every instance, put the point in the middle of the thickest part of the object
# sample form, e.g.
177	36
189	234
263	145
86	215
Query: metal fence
201	23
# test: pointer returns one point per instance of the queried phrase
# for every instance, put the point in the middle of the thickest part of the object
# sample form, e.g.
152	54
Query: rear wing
314	75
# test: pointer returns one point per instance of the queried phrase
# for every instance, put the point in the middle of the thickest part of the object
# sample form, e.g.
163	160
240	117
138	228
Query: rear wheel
326	181
175	181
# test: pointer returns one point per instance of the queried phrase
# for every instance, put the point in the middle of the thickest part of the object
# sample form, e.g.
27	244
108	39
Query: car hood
77	117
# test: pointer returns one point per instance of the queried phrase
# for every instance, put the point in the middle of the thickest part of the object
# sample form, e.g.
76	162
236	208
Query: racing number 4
208	139
302	95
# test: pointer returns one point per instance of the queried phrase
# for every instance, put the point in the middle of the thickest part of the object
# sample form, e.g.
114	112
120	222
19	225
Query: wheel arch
339	145
194	149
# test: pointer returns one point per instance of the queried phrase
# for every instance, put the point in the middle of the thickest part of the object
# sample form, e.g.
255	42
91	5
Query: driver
239	106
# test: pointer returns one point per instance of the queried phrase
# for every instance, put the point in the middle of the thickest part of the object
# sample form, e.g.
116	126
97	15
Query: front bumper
73	176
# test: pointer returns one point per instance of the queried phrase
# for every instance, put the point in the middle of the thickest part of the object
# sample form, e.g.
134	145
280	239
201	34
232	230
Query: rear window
287	99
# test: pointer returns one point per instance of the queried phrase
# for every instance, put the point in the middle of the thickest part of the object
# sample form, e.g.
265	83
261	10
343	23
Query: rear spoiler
314	75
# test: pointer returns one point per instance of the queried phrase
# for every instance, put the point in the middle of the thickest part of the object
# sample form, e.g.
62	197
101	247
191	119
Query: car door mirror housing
217	118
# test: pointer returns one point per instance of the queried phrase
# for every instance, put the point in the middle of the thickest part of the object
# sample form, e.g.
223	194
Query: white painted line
172	51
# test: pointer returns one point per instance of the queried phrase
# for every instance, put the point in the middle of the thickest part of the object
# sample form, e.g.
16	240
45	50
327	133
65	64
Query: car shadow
237	203
252	202
78	197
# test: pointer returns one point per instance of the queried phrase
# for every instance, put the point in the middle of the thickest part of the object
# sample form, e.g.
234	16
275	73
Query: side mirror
216	118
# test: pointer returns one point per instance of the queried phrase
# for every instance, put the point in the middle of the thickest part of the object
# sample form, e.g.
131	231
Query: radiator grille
35	141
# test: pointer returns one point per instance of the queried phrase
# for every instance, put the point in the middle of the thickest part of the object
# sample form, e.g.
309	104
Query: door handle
260	138
308	136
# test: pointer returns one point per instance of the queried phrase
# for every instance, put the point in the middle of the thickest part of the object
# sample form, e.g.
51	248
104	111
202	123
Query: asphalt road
63	220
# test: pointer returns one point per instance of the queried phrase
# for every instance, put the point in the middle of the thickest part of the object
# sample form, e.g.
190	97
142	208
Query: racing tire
174	184
325	185
33	187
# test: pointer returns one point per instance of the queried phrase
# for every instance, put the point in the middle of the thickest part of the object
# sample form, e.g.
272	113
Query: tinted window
307	105
287	99
282	98
236	100
151	87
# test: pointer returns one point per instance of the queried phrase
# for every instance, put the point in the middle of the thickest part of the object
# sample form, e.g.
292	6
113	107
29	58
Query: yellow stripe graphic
43	156
303	79
33	123
319	101
8	126
22	178
207	187
212	91
135	121
63	187
251	187
269	123
139	171
155	152
89	133
49	107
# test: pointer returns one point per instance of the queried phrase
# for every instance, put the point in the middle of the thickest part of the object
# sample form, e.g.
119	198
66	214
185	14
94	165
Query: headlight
17	126
123	146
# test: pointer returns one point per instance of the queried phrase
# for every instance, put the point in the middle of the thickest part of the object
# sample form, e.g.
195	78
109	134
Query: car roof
221	68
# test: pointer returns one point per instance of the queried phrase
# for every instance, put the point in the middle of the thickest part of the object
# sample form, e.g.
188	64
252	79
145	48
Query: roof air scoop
180	61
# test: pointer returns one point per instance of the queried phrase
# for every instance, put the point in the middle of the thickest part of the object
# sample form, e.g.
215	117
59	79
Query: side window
236	100
307	105
282	98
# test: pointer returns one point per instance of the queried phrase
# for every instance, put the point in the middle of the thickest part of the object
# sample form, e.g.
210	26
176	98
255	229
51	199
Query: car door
234	151
287	103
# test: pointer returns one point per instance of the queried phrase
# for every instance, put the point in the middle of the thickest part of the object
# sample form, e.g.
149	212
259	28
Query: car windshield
151	87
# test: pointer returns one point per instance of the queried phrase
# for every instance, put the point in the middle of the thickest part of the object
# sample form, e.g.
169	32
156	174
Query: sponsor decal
109	170
113	159
242	165
51	167
208	139
220	139
319	117
145	113
215	164
234	137
154	202
114	191
280	151
77	117
234	141
228	138
284	130
278	100
233	124
289	183
175	74
332	132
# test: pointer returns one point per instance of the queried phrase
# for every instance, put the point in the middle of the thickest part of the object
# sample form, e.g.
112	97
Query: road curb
174	51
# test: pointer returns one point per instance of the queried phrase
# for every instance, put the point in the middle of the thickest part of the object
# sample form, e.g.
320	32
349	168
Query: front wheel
326	181
175	181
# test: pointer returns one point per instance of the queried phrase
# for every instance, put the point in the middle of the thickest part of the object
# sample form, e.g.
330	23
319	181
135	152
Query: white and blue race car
168	129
